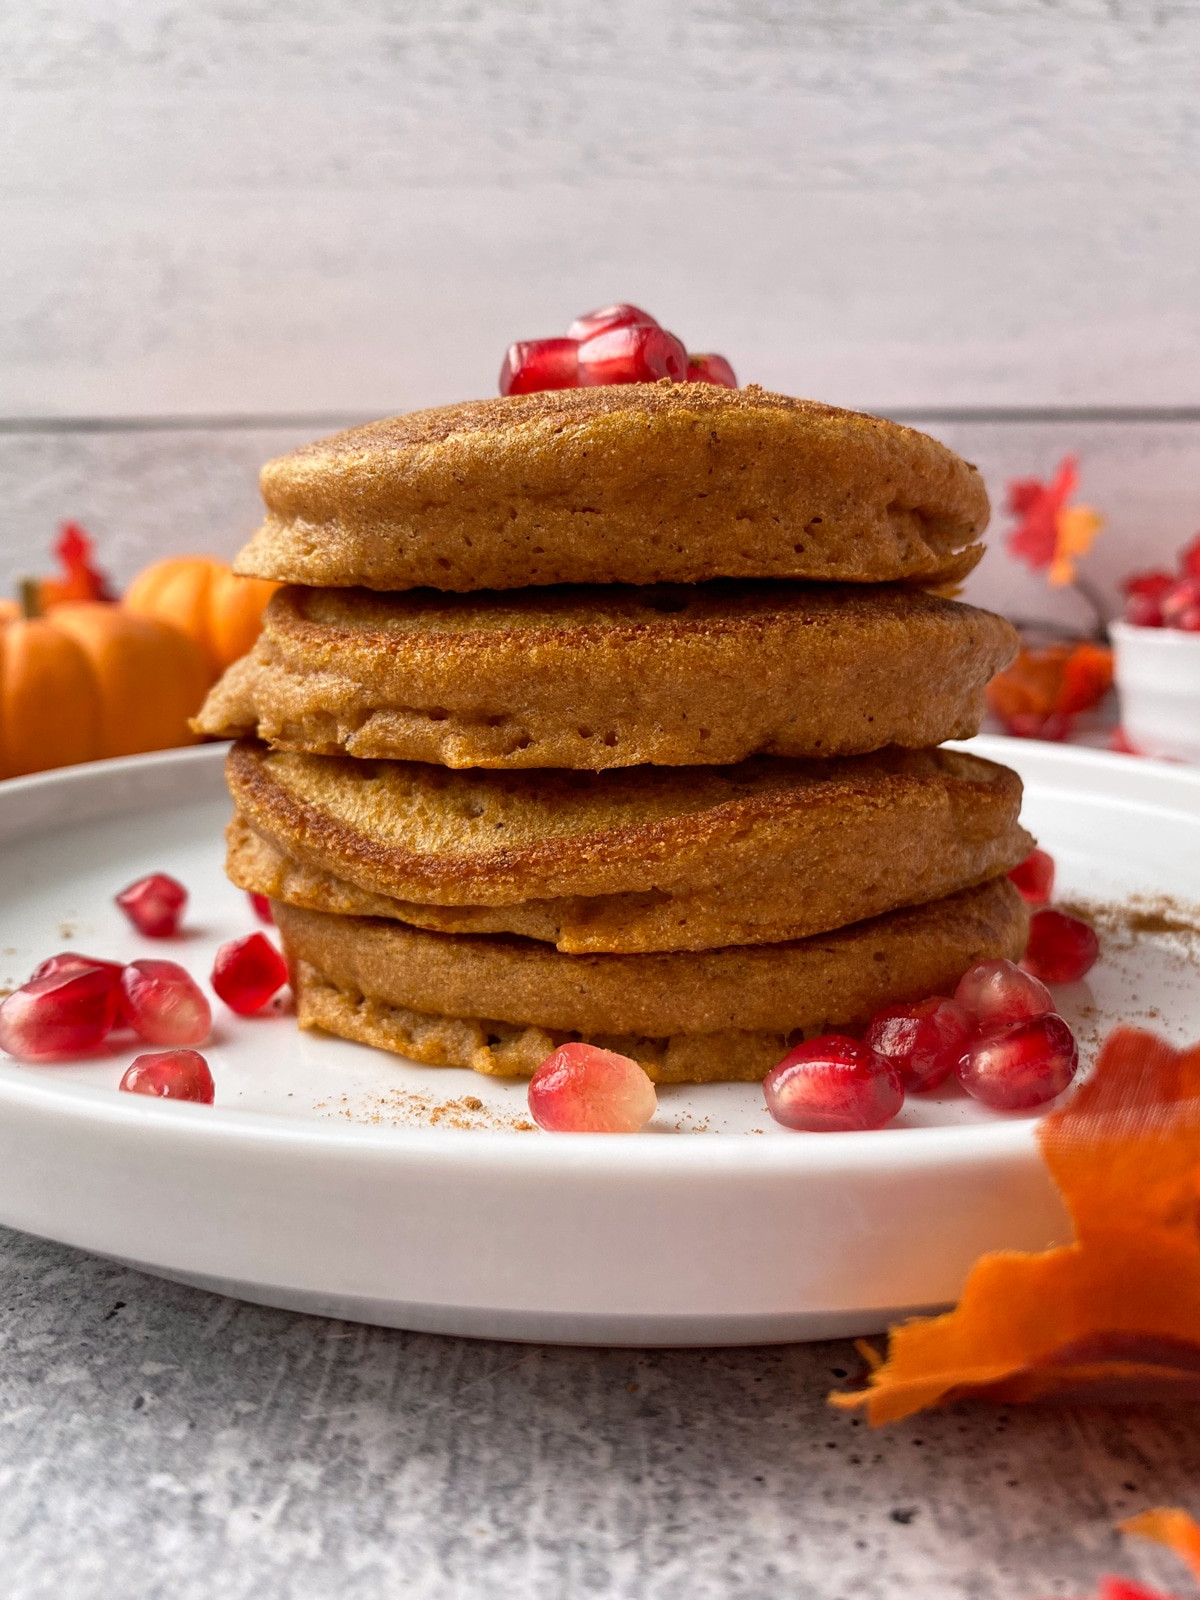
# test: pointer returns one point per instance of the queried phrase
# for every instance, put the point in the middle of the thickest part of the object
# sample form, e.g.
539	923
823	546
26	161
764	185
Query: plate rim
34	1091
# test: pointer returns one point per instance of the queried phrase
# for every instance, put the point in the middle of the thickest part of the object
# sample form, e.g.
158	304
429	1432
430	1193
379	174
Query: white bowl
1158	681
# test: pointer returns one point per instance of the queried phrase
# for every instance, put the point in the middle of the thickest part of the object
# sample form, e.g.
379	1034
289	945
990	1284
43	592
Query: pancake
500	1005
632	483
596	678
623	862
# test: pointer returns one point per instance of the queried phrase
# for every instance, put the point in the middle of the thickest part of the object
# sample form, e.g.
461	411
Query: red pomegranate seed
163	1004
68	961
618	316
583	1089
1021	1064
631	355
261	907
1179	601
1189	558
65	1014
533	364
996	992
171	1075
1061	948
154	905
1034	877
1155	582
923	1041
833	1085
1143	611
709	368
1189	620
247	972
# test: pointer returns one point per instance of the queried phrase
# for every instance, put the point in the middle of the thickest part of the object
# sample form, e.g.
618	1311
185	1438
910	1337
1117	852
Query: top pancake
632	483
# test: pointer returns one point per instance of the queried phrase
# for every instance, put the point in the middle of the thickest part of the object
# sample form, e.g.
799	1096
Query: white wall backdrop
285	208
298	205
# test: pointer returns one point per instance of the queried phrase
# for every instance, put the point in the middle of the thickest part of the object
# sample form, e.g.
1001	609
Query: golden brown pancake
617	677
500	1005
634	483
623	862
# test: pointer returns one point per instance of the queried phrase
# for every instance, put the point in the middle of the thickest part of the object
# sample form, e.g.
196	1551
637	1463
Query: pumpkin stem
31	601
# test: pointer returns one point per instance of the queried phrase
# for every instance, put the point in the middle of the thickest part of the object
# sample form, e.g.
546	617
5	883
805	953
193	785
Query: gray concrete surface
158	1441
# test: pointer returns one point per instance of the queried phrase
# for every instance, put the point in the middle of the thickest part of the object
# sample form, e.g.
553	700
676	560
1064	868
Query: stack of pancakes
610	714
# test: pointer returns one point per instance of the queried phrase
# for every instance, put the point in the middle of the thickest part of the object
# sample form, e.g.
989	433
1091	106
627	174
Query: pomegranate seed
618	316
533	364
1143	611
67	961
154	905
1034	877
1189	620
261	907
1020	1064
923	1041
1189	558
171	1075
996	992
583	1089
247	972
163	1004
631	355
1061	948
708	368
66	1014
1155	583
833	1085
1180	600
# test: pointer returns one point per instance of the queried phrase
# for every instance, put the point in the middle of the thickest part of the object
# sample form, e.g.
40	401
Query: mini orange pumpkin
89	680
221	612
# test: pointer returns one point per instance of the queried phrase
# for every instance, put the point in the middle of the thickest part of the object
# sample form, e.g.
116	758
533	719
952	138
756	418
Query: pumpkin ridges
200	595
235	616
49	700
177	590
150	675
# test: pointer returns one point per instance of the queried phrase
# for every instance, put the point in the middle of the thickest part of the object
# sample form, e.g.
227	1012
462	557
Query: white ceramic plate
333	1178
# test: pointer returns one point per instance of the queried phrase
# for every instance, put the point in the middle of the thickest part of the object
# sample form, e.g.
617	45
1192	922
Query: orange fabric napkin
1116	1314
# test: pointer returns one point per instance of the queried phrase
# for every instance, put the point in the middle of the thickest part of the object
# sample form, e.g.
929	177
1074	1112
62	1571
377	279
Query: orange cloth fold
1116	1314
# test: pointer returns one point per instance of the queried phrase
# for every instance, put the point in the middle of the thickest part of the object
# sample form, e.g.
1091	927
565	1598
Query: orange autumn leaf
1115	1314
1045	686
1075	531
1087	676
1049	533
1173	1527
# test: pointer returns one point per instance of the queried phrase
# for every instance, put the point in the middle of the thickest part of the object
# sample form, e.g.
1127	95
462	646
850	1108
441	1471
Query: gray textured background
351	206
156	1441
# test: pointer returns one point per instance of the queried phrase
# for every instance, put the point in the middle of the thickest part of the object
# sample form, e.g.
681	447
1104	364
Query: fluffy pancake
499	1005
623	862
635	483
596	678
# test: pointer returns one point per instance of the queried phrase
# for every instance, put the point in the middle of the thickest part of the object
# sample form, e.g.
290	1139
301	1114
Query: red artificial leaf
1035	538
80	579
